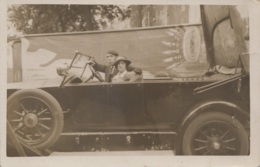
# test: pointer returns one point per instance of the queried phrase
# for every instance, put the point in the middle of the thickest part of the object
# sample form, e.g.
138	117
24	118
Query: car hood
35	84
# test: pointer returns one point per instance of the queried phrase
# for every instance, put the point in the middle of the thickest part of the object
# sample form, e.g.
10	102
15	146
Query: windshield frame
68	77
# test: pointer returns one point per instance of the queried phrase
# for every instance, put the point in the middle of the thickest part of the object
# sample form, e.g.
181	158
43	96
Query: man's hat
121	58
113	52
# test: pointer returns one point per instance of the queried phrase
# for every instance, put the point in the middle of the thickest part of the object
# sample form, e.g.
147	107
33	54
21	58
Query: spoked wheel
215	134
35	117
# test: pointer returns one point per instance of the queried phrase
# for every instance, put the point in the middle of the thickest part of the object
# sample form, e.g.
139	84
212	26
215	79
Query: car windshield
79	69
80	61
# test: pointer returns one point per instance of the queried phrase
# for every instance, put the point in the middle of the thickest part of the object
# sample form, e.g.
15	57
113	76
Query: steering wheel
96	74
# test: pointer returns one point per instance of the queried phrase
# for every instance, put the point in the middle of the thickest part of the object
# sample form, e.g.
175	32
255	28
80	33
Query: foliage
33	19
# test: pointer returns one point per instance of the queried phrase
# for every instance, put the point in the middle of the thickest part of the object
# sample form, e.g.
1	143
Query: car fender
205	106
223	106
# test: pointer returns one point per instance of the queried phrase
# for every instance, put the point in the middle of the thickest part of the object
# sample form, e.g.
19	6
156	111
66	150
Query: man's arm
136	78
100	67
96	66
138	71
134	74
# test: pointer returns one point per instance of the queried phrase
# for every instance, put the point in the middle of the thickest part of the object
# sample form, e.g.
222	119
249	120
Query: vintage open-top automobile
207	114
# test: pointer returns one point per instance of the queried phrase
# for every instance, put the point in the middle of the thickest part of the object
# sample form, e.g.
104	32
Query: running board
115	133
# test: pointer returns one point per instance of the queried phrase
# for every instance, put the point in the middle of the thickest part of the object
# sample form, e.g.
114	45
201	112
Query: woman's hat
121	58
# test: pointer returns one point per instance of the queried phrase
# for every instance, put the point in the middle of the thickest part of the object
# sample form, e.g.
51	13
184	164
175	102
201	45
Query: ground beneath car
117	153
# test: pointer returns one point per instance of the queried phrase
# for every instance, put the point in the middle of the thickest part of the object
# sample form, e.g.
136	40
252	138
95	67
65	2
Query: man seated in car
121	65
110	70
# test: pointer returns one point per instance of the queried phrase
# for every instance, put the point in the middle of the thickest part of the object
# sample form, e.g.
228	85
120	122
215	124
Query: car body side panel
166	103
106	105
126	104
88	104
162	102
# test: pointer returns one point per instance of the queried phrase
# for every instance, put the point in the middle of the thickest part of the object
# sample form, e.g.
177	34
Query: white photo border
150	161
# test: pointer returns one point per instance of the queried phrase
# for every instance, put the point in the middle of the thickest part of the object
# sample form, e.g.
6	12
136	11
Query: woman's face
121	66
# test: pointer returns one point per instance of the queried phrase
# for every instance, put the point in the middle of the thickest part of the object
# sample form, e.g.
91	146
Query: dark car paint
147	105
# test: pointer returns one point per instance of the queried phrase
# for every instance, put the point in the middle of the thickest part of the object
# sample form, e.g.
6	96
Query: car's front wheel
35	117
215	133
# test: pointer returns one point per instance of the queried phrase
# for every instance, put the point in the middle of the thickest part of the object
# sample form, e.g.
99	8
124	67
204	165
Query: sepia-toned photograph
129	84
105	78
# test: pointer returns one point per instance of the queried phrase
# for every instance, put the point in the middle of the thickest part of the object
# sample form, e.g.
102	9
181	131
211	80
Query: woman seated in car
121	64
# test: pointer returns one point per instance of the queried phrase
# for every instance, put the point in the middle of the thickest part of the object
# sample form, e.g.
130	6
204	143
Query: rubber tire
54	107
198	121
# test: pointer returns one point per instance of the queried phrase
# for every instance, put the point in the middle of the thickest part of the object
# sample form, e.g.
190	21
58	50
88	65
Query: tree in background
33	19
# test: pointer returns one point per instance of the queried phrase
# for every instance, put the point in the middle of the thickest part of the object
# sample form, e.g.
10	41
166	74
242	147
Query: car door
89	104
125	103
165	102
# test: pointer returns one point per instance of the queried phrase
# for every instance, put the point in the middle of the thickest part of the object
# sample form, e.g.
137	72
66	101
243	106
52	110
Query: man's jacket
111	71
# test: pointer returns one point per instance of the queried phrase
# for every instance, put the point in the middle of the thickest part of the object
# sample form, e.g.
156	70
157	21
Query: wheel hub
215	145
30	120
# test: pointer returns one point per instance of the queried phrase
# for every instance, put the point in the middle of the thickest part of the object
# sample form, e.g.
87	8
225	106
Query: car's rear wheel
35	117
215	133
